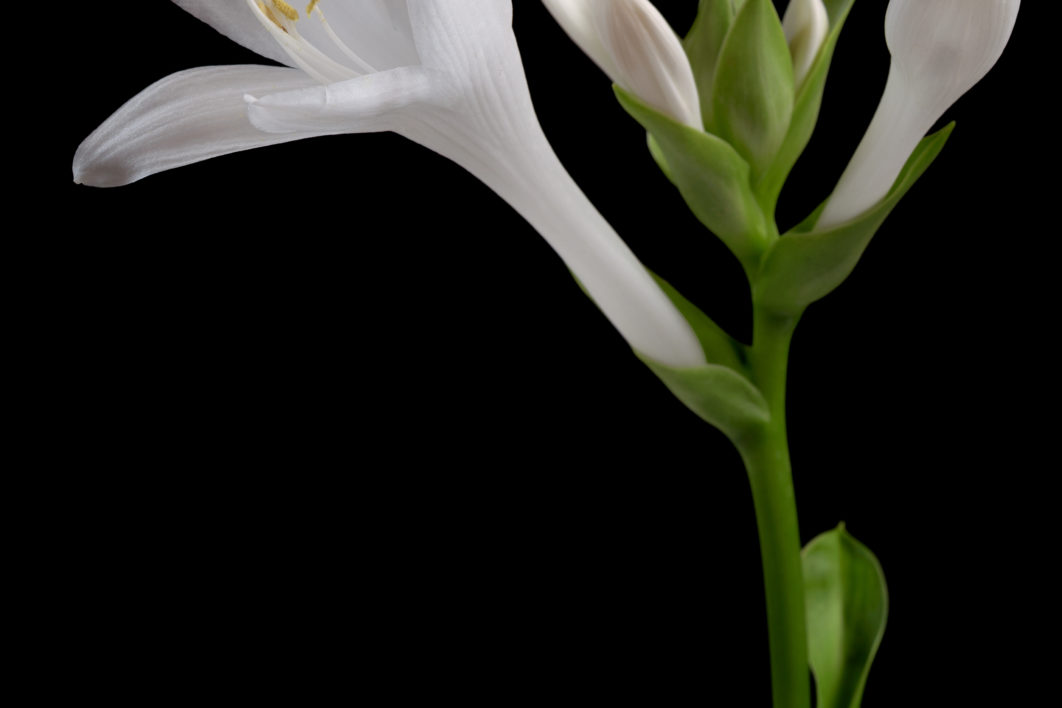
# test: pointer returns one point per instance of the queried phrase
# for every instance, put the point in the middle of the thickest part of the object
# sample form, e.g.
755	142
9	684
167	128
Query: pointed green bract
702	44
718	394
712	177
721	392
804	265
719	347
805	110
847	606
753	86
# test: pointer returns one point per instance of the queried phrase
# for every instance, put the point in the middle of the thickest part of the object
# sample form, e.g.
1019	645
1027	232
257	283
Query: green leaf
847	607
710	175
702	44
805	110
718	394
753	92
719	347
805	265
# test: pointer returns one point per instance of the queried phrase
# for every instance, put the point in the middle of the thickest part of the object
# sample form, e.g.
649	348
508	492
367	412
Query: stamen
310	7
306	56
286	10
340	44
269	14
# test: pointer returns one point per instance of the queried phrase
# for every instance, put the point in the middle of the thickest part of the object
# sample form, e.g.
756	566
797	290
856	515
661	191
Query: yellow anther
286	10
269	15
311	6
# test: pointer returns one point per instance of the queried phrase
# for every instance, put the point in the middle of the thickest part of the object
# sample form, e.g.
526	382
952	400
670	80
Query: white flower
940	49
444	73
806	25
632	42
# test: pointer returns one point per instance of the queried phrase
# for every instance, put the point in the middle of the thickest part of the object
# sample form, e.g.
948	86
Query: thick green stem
766	455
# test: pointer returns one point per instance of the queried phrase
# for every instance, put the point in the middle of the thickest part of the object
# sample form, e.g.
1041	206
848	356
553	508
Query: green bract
752	94
806	106
847	607
712	177
804	265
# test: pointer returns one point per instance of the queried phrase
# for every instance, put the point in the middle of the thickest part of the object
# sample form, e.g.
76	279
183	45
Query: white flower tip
632	42
806	25
649	58
942	48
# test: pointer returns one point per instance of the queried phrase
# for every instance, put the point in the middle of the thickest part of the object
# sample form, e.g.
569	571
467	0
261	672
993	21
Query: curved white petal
232	19
186	117
632	42
649	58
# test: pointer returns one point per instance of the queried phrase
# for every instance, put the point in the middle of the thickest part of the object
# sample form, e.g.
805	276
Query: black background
343	420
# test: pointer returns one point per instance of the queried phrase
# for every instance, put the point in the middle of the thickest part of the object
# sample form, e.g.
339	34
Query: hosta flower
444	73
940	49
632	42
805	24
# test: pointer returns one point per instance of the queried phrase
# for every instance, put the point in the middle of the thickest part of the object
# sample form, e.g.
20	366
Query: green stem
766	455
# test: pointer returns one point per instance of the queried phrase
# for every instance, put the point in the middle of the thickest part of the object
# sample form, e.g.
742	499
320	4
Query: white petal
944	47
235	21
577	19
463	36
187	117
363	105
940	49
806	25
649	59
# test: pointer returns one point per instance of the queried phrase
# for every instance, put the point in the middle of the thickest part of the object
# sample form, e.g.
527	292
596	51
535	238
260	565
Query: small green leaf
804	265
702	44
753	86
847	607
718	394
711	176
805	110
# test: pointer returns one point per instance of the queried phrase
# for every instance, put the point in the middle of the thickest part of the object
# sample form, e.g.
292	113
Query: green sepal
711	176
752	95
702	45
805	110
804	265
718	394
847	606
719	347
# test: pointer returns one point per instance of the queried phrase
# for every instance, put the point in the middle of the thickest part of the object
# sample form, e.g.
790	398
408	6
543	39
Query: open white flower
940	49
444	73
632	42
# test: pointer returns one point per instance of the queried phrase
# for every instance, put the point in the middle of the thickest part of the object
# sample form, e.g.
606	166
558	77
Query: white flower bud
632	42
940	49
806	25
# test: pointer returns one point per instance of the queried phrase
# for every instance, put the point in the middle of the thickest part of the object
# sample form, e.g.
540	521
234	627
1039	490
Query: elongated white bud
632	42
940	49
806	25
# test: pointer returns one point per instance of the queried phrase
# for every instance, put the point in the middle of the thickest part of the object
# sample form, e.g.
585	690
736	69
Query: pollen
269	14
286	10
311	6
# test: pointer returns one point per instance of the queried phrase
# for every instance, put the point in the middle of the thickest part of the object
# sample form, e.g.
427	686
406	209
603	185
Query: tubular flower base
444	73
